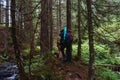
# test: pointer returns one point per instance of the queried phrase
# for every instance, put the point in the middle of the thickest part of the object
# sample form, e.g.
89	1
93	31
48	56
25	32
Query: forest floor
76	70
72	71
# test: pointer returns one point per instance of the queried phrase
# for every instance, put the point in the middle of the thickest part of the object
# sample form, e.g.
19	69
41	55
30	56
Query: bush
102	54
36	63
47	75
106	74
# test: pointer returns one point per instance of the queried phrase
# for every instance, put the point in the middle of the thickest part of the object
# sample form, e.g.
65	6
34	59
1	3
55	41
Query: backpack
66	38
71	35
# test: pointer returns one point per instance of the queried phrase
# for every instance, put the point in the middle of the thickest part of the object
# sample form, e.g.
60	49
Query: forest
59	40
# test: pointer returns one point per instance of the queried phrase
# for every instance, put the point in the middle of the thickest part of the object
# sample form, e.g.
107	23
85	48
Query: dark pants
68	55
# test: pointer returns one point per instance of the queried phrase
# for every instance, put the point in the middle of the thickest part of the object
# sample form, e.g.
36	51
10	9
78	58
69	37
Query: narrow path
72	71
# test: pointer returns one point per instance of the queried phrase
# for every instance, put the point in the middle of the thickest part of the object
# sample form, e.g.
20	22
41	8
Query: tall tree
16	47
27	19
30	8
91	41
51	24
1	12
44	35
79	30
19	19
7	24
60	22
7	13
68	4
57	13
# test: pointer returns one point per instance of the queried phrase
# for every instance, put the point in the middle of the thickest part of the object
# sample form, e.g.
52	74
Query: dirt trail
72	71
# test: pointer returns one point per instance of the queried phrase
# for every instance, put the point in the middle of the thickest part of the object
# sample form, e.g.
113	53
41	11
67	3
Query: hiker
66	39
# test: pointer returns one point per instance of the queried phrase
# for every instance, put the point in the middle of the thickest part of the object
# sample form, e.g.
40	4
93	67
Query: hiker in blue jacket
65	43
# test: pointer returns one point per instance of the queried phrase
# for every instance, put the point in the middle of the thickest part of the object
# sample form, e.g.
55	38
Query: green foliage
106	74
110	31
102	53
112	60
59	77
2	59
27	50
37	49
74	49
2	25
36	63
85	51
45	68
47	75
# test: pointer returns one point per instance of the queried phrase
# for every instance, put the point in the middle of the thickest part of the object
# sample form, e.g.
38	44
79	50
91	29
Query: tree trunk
16	47
19	22
91	42
31	36
2	11
79	30
6	30
60	23
69	14
57	13
68	4
51	25
58	16
44	36
7	13
27	20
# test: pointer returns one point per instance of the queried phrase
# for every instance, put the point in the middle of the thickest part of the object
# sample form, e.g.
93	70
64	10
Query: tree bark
44	35
7	25
15	43
91	41
7	13
57	13
31	36
51	24
27	20
68	4
79	30
60	22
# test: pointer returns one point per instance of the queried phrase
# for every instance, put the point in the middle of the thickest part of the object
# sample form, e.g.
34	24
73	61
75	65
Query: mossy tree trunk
91	41
79	30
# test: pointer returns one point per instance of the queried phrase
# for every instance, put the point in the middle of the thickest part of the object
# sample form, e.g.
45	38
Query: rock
8	71
69	73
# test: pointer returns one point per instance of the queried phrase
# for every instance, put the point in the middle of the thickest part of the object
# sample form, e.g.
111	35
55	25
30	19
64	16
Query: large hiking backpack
66	38
71	35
